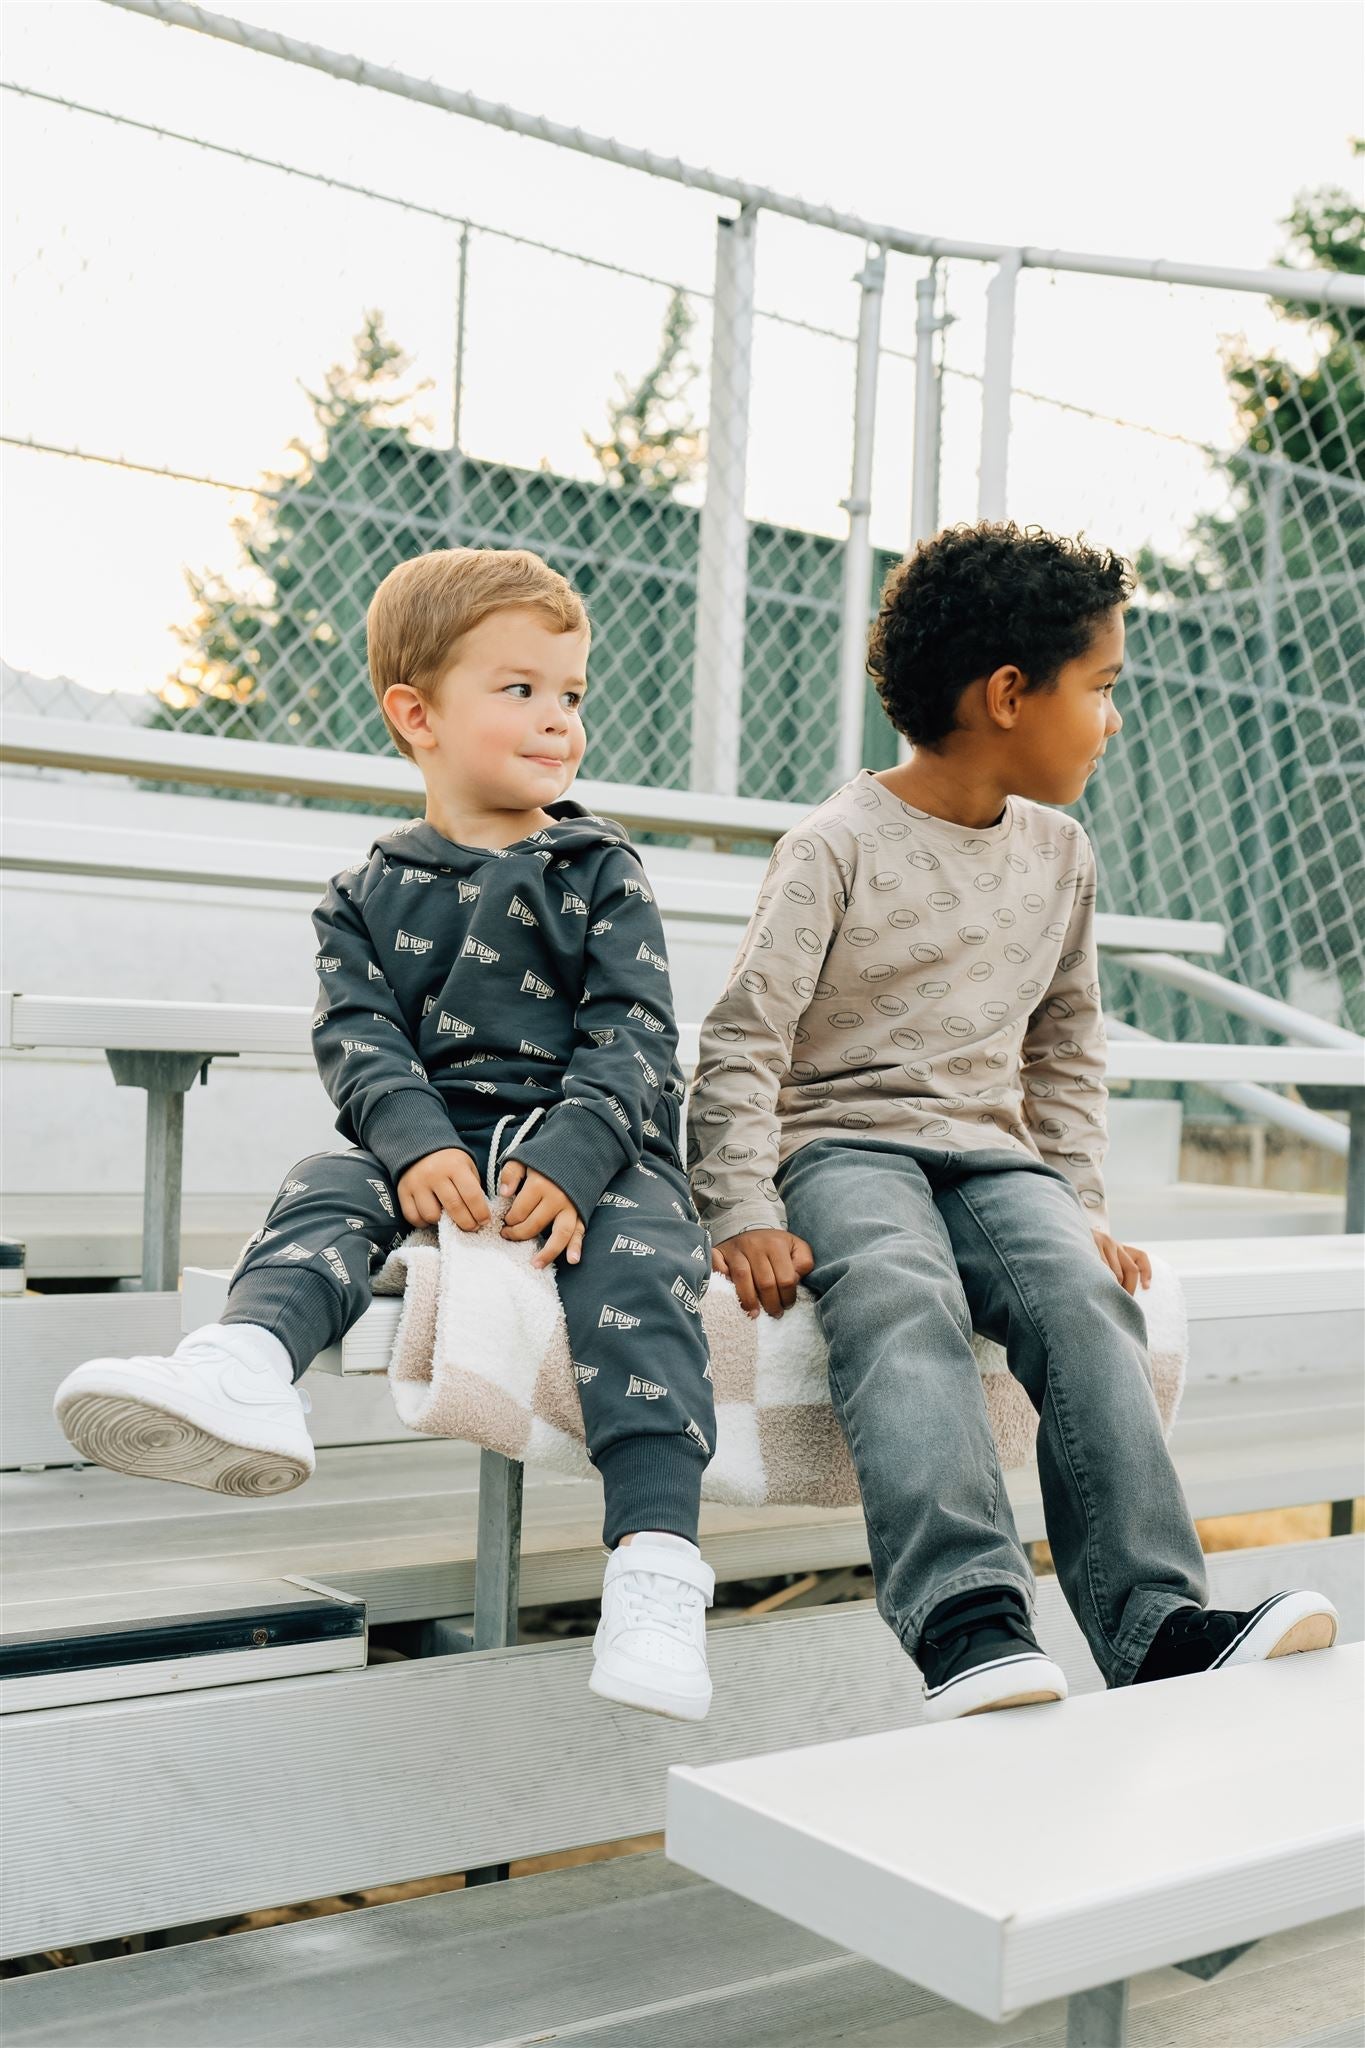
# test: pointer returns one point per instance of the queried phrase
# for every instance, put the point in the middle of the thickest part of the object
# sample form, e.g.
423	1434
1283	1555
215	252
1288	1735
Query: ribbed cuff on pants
651	1482
302	1309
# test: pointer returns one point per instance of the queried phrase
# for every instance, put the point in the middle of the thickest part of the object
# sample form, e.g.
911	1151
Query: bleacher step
115	1645
628	1951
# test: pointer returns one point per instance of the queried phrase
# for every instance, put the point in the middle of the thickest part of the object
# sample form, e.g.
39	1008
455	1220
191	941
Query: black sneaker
1208	1638
977	1652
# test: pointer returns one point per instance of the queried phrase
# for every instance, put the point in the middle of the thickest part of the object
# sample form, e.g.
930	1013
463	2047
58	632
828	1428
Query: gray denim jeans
914	1249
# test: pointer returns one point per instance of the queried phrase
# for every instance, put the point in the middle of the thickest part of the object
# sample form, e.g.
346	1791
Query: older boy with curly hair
900	1100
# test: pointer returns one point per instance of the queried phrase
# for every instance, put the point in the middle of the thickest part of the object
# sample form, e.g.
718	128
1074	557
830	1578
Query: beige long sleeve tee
912	979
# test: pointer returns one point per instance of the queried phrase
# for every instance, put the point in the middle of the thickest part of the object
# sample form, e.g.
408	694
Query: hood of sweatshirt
573	831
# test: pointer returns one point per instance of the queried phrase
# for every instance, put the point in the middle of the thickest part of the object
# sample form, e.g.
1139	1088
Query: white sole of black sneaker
1026	1681
146	1442
1282	1626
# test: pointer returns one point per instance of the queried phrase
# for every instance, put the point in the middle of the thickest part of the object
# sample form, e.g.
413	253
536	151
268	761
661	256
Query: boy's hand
540	1205
448	1181
765	1266
1125	1261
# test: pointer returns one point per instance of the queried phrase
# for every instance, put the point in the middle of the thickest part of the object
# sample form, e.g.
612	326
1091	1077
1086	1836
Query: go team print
909	978
459	981
460	987
631	1306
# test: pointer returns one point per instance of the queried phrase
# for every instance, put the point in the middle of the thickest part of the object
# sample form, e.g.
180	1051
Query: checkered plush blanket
482	1354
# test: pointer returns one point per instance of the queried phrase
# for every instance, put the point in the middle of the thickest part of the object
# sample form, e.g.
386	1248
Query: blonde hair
424	607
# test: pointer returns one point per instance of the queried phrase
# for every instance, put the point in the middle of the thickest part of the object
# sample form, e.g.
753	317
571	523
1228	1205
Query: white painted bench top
35	1022
1010	1858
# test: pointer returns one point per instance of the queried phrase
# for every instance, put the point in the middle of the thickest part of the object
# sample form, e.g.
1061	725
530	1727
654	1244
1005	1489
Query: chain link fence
1237	789
725	479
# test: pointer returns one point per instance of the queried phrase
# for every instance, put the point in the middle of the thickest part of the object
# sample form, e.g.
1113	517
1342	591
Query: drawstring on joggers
490	1177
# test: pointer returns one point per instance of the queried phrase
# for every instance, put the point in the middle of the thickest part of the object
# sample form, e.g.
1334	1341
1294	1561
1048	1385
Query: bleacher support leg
1355	1167
1098	2018
497	1578
164	1076
497	1561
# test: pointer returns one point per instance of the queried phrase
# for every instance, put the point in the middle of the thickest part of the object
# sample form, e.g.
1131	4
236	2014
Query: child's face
1062	732
506	715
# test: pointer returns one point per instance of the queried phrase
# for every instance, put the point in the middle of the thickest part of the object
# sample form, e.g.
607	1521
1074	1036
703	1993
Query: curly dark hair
976	598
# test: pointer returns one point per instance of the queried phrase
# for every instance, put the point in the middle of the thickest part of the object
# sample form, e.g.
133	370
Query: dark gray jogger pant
632	1305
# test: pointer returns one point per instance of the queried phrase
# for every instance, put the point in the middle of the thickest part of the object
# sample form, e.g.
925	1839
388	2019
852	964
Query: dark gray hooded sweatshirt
460	984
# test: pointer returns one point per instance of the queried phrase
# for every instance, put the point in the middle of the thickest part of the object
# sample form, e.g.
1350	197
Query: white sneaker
216	1414
650	1648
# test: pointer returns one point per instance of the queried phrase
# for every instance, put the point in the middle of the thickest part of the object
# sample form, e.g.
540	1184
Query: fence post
723	545
928	411
871	281
455	502
928	444
995	389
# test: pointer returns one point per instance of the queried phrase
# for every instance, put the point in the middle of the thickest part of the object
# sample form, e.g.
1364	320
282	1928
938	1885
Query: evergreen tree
1237	771
655	444
276	650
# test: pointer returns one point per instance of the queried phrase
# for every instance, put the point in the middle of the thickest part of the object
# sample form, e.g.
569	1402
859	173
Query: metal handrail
1329	287
1268	1011
1309	1124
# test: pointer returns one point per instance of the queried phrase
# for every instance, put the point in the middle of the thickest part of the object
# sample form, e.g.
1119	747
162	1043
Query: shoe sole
146	1442
1274	1632
624	1692
1019	1699
991	1688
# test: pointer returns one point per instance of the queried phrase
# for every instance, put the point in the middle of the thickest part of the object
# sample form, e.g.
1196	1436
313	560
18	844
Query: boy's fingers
466	1186
511	1177
765	1282
540	1218
787	1282
1144	1265
526	1200
576	1246
561	1234
738	1269
718	1264
803	1258
457	1208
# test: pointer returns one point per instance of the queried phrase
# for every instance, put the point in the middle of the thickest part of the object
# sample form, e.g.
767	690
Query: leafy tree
655	444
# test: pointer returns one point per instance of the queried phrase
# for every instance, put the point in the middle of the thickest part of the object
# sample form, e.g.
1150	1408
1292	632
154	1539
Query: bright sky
165	304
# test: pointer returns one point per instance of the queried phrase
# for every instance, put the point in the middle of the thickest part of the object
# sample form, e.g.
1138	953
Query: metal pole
1330	287
1251	1003
1265	1105
857	586
1355	1167
497	1558
996	383
928	427
161	1185
497	1579
723	544
1260	889
164	1077
1098	2018
928	411
455	501
461	303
